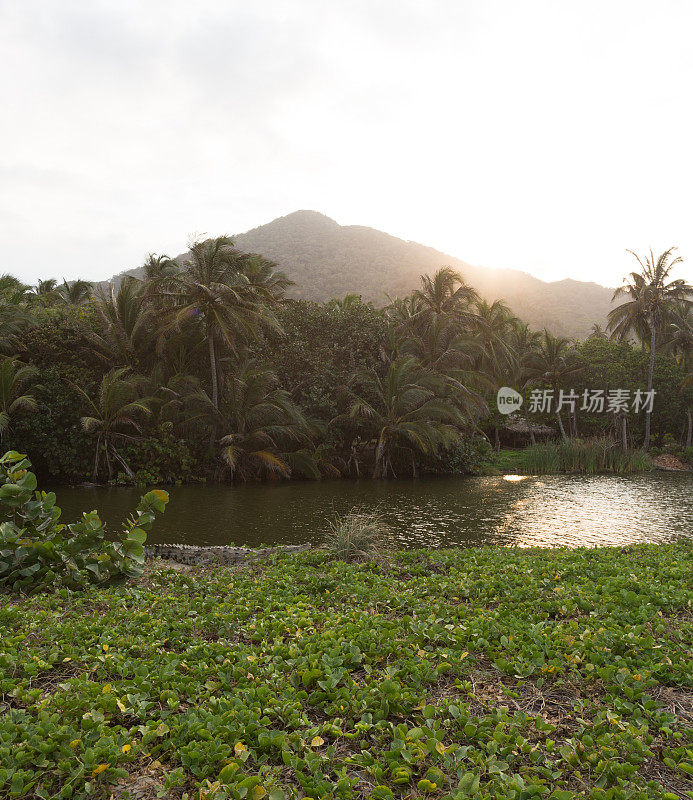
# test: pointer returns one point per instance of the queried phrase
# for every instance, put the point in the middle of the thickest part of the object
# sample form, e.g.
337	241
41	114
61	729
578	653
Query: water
430	512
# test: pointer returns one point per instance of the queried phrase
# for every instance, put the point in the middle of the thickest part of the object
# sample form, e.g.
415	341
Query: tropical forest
204	370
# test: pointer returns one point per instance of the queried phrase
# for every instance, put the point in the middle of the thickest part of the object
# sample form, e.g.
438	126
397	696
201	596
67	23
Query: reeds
585	456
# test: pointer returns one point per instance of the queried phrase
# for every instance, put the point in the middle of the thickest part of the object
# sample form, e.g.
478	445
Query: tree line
204	369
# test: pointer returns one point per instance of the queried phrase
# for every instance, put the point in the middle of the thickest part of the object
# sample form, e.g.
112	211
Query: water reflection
435	512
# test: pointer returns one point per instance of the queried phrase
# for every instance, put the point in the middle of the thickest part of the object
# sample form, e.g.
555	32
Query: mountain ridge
326	259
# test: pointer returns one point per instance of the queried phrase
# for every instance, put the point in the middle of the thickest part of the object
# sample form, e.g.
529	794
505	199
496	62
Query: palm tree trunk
379	460
650	379
213	370
624	432
95	473
353	459
215	384
124	463
560	426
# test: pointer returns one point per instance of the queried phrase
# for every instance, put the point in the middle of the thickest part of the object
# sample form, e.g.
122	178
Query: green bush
53	435
37	551
464	457
161	458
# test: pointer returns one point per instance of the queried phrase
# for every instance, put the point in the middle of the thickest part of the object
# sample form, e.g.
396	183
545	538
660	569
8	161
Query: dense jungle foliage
204	370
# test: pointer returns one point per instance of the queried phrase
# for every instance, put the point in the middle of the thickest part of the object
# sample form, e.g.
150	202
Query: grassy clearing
486	673
588	456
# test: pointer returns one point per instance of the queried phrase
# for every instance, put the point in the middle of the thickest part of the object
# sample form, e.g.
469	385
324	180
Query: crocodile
194	555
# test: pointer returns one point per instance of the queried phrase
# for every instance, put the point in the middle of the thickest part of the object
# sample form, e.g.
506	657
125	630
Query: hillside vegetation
326	260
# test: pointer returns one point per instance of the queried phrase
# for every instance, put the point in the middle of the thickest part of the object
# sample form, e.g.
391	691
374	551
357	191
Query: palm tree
351	300
12	290
157	267
409	408
75	292
261	423
494	326
184	403
651	296
552	364
680	342
446	293
45	293
13	377
13	320
228	295
522	341
127	326
443	347
115	417
597	332
401	310
264	276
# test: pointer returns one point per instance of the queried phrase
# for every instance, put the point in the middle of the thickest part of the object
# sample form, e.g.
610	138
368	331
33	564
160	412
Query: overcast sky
544	136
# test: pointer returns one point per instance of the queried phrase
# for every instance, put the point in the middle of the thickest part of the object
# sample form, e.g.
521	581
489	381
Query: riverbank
485	672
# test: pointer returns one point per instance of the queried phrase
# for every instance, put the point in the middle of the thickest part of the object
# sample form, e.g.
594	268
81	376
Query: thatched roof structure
523	427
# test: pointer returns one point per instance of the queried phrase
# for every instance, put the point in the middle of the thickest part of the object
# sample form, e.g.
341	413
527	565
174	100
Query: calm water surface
431	512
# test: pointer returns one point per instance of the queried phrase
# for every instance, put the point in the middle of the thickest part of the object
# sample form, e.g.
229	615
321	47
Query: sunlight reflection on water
431	512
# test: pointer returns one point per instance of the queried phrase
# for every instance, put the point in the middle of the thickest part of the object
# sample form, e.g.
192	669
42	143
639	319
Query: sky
542	136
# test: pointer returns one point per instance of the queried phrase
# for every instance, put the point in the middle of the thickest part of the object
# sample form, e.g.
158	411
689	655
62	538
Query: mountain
327	260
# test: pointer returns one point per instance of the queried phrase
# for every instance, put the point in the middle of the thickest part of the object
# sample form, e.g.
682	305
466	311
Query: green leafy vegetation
481	673
202	368
38	551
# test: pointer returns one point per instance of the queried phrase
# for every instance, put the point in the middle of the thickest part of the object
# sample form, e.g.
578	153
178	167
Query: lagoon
524	511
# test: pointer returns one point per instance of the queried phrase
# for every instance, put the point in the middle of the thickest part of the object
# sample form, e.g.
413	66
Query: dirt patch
676	700
670	463
145	782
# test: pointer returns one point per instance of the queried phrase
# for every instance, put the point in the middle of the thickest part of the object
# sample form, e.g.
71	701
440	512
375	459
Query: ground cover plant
485	673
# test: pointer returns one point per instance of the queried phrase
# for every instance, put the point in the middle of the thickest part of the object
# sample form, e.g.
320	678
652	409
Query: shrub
54	435
160	458
357	536
38	551
463	457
